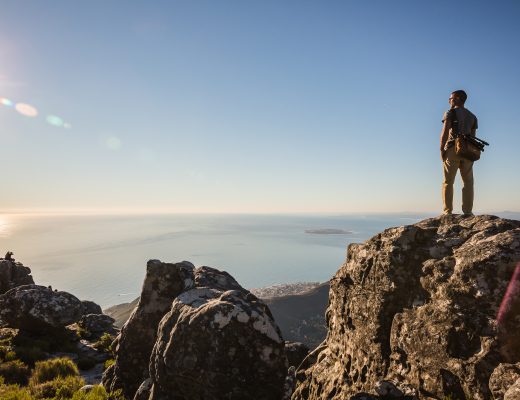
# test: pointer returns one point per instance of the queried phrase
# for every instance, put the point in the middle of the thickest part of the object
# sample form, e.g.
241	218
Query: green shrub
6	335
14	392
60	388
49	370
108	363
116	395
83	333
98	393
3	351
10	356
14	372
104	343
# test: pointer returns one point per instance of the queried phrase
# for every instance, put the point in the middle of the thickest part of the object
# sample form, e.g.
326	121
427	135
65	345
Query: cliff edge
412	312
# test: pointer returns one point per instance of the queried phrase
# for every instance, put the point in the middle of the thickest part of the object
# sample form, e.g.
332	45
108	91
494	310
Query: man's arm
444	136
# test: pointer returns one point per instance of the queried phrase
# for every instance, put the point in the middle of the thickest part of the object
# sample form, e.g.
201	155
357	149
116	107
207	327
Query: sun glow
5	226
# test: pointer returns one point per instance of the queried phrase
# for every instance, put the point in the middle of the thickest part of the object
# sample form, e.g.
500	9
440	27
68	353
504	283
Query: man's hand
444	136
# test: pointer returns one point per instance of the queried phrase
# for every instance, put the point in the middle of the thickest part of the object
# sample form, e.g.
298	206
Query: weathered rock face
222	337
133	346
13	274
35	308
502	378
417	305
507	320
513	393
215	341
89	307
97	323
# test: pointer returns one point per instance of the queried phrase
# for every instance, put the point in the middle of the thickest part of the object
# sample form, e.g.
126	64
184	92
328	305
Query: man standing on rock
467	125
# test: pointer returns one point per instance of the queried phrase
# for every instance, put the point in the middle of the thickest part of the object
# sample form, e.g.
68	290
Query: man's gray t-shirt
467	125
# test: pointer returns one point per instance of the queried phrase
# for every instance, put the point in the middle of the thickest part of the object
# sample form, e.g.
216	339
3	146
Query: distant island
328	231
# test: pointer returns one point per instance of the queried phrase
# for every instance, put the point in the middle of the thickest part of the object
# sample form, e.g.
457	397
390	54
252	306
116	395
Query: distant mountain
301	317
121	312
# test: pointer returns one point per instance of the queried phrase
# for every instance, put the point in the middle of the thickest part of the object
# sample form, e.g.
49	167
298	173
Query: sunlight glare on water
5	226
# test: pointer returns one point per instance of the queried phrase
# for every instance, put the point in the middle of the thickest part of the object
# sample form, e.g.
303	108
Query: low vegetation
45	371
104	343
27	372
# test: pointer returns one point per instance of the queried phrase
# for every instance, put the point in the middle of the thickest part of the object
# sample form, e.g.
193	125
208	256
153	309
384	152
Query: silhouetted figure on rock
9	256
457	121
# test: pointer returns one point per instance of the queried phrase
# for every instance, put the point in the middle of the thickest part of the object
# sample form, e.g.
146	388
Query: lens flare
66	125
26	109
113	143
54	120
6	102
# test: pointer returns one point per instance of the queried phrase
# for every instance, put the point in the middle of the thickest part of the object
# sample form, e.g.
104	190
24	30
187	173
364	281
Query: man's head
458	98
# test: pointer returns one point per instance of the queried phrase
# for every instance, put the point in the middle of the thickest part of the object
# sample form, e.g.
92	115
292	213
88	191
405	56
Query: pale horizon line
155	211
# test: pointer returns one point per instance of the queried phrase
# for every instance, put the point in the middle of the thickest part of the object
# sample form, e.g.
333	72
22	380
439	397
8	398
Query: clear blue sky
253	106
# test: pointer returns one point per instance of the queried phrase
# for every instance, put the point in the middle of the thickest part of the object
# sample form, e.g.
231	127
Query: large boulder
212	332
13	274
133	346
37	308
222	337
89	307
97	324
417	305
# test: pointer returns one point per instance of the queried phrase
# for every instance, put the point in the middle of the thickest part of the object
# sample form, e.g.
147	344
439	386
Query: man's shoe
468	214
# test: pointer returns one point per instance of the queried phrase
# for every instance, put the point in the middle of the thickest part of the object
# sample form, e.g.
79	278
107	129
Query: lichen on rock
204	328
417	305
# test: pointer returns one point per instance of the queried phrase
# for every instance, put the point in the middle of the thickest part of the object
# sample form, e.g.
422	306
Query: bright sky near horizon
252	106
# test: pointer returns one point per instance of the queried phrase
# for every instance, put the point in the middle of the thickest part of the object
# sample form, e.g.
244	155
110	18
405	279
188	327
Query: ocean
103	258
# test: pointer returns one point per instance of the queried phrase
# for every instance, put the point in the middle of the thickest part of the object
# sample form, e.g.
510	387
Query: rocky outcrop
89	307
35	308
96	324
417	306
133	346
502	378
507	320
225	340
213	332
13	274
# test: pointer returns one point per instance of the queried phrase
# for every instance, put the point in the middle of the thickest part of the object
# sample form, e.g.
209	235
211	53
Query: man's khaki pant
451	164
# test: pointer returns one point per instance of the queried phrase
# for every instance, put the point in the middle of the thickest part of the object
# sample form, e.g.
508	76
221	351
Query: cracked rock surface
417	305
211	339
13	274
34	308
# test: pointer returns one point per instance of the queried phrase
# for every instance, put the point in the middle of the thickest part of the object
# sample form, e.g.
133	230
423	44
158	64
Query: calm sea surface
103	258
